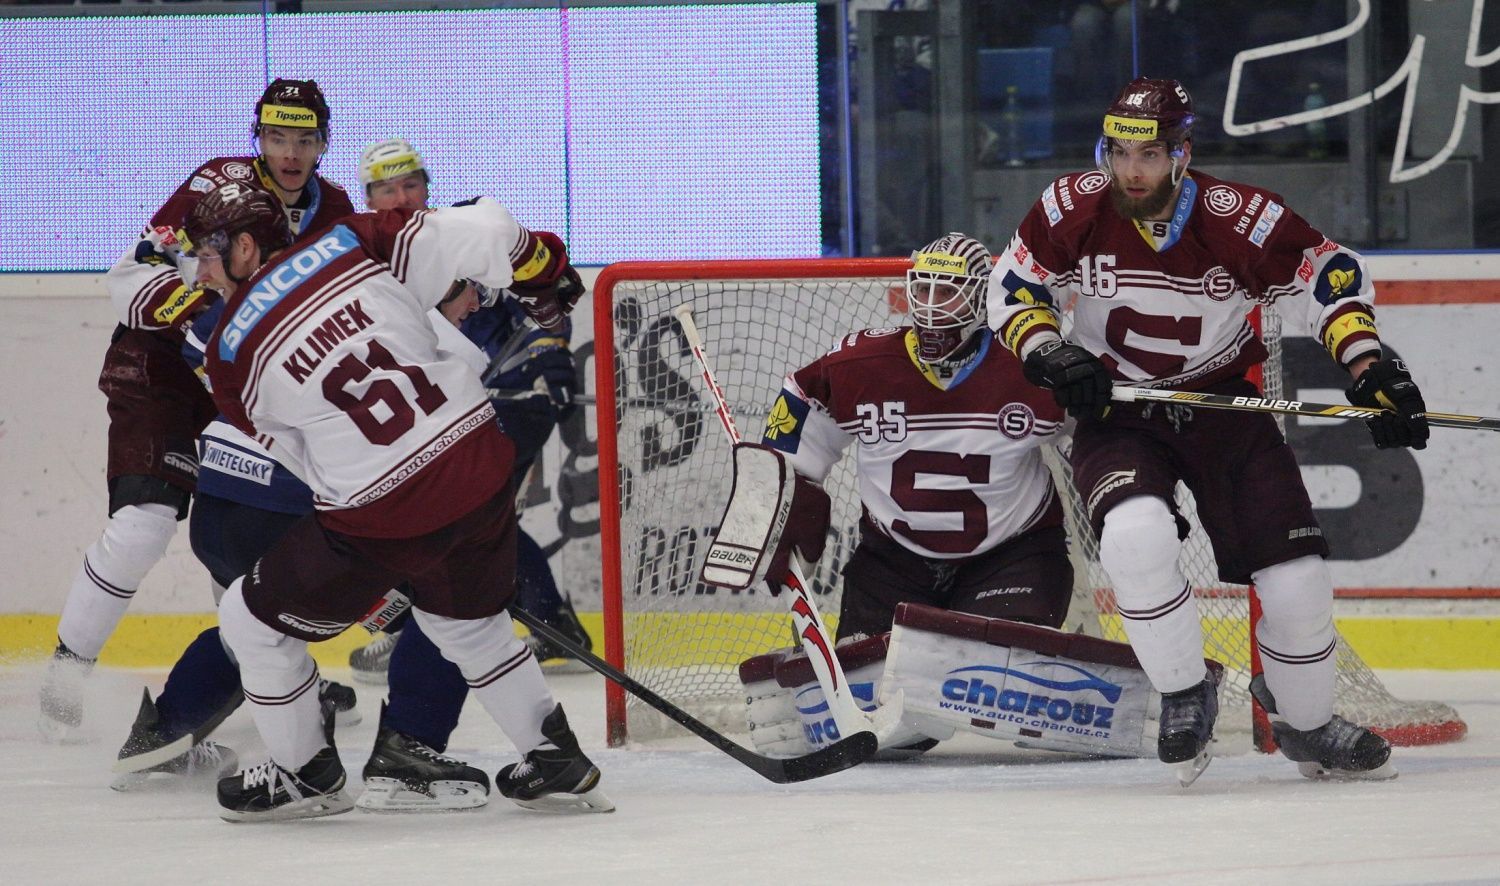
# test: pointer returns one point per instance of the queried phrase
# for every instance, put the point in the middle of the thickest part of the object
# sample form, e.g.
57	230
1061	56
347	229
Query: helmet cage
946	311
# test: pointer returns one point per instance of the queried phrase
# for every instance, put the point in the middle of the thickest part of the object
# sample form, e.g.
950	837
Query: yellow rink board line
155	640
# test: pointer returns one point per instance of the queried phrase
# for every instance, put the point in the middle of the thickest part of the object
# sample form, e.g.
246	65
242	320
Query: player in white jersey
325	355
960	516
1165	265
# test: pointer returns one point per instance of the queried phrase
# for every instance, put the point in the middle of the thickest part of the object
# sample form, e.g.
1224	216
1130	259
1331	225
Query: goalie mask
945	290
1148	110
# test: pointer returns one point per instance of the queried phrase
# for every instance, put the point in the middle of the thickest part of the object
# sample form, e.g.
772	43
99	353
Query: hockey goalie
953	597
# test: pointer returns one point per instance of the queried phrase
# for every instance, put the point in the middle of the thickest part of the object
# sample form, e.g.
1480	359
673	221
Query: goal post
664	474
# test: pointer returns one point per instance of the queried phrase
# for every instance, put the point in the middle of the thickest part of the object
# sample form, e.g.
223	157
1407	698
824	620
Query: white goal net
665	473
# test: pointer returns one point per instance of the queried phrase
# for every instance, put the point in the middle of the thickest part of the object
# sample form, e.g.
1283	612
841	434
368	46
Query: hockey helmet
296	104
231	208
390	159
1148	110
945	290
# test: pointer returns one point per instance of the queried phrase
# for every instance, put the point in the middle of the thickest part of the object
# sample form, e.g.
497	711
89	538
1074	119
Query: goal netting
665	471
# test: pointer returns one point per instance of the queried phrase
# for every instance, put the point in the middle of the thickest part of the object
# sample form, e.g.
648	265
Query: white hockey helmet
389	159
945	290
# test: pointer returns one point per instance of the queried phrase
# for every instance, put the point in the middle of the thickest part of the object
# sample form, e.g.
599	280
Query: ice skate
554	658
1336	750
371	662
147	751
1185	736
555	779
61	697
342	700
405	775
271	792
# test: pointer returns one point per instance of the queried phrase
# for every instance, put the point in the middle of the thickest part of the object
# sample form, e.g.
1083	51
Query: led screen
642	132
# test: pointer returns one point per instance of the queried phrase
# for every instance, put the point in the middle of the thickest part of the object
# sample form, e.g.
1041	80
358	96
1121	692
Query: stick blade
843	754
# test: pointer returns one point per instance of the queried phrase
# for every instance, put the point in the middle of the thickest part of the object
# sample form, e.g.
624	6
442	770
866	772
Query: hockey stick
842	754
806	620
1129	394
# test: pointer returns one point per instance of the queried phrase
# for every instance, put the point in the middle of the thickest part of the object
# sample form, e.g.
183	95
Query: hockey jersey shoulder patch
867	343
1249	212
1069	195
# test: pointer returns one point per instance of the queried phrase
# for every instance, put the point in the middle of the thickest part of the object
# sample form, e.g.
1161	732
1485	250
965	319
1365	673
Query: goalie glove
1386	384
772	512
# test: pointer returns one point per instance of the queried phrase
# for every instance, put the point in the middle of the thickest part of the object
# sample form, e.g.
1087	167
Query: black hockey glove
1386	384
1078	380
556	370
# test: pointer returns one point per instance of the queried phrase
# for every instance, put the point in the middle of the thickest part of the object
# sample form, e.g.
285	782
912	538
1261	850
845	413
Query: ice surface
688	814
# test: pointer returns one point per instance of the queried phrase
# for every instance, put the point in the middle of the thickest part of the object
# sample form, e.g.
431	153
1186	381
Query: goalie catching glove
772	512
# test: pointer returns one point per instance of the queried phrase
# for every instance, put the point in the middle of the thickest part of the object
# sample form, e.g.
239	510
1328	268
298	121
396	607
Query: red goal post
660	491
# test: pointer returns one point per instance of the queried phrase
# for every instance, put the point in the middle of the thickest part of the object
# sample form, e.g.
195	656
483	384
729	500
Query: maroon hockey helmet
297	104
1148	110
232	208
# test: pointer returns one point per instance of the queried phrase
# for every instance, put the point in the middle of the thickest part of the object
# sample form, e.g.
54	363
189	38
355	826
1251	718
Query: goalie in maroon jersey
1162	266
157	407
960	516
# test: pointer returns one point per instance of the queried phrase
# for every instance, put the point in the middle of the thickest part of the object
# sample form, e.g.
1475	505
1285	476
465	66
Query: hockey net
665	471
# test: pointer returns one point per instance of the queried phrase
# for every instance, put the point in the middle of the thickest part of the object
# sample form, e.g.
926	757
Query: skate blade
588	801
152	759
308	807
1188	771
369	678
392	796
1384	772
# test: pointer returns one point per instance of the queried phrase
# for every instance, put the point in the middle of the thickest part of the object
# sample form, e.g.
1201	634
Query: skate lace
205	754
422	750
273	777
523	769
1183	714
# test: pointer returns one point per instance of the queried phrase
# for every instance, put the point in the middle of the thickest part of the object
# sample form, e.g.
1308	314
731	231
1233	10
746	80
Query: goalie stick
842	754
806	620
1129	394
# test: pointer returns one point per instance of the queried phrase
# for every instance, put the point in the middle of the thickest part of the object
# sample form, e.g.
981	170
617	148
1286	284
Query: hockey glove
1079	381
1386	384
556	370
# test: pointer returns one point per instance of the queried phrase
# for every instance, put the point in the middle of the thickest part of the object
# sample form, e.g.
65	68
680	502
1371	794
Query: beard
1147	207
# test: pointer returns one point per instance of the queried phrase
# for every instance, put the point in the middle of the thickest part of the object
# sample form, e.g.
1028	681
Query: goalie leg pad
771	511
789	715
1022	683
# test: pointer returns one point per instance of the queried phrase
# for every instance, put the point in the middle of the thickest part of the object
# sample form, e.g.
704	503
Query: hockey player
325	355
395	176
1165	264
960	515
156	406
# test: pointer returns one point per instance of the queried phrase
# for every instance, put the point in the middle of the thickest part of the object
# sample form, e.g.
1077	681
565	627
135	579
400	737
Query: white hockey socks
500	670
134	539
1139	549
280	681
1297	640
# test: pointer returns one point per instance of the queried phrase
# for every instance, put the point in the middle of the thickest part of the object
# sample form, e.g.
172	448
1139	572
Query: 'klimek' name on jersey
1166	303
947	473
327	356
